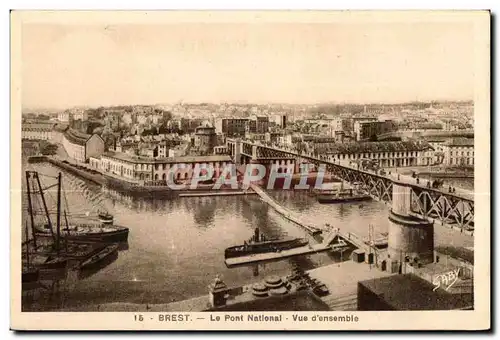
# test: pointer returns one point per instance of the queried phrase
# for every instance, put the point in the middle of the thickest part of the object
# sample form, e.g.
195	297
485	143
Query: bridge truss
446	208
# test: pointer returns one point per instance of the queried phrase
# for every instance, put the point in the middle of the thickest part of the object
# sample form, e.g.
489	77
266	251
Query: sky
127	64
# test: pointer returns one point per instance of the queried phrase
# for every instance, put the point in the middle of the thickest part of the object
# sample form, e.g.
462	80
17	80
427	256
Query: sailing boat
30	273
104	232
38	255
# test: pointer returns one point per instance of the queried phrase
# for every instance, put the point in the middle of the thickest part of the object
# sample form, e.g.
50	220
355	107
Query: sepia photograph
250	170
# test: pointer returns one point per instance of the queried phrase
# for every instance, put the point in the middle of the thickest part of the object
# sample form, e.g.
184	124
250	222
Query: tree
47	148
167	116
98	130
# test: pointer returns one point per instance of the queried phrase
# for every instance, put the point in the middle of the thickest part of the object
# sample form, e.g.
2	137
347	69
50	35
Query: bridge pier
411	239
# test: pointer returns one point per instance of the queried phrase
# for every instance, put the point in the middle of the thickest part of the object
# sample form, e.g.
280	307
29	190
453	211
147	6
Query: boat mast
58	222
27	245
35	174
67	231
30	208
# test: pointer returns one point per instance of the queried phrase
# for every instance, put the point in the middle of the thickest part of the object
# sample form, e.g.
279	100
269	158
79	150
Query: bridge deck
289	215
403	180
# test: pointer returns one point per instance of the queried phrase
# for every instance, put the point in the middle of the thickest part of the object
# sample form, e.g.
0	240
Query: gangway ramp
289	215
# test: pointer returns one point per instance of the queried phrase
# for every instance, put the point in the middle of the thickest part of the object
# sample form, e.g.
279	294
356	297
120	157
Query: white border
147	4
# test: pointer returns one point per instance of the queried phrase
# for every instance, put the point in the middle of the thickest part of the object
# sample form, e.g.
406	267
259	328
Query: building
80	114
369	130
342	125
149	169
231	127
459	151
80	146
64	116
386	154
38	131
162	150
221	150
408	292
279	120
258	124
179	151
149	151
205	138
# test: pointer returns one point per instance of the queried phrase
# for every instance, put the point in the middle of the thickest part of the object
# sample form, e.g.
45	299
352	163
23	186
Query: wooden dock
329	236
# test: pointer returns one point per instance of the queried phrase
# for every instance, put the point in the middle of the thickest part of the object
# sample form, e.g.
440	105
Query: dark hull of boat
56	264
264	247
30	275
326	199
116	236
100	258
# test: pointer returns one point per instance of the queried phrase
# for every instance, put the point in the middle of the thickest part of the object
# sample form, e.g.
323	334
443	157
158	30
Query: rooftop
409	292
460	142
148	160
367	147
37	126
76	137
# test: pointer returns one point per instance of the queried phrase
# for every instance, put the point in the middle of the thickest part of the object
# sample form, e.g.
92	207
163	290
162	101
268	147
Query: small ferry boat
259	244
105	217
342	195
99	257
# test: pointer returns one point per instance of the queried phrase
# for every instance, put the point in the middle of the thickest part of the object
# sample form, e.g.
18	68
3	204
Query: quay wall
123	186
96	178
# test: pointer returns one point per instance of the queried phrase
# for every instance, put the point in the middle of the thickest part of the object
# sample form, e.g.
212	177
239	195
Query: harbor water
176	247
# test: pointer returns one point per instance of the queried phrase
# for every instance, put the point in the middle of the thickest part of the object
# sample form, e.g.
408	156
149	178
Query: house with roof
387	154
459	151
80	146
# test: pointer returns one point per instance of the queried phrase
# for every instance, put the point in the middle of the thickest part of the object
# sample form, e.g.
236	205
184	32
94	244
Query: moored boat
30	274
321	290
105	217
89	232
259	244
40	261
99	257
342	198
341	195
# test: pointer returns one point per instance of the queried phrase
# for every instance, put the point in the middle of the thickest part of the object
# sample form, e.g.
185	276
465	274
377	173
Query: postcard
250	170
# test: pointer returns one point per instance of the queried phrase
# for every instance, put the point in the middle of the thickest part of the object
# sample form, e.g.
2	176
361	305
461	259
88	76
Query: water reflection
176	247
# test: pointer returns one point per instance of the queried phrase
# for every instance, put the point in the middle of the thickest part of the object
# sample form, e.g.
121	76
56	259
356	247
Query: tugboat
259	244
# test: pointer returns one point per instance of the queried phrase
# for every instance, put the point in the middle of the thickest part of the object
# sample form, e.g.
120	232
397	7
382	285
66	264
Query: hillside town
435	134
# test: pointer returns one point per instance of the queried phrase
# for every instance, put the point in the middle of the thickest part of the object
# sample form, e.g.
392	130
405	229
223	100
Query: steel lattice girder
447	208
